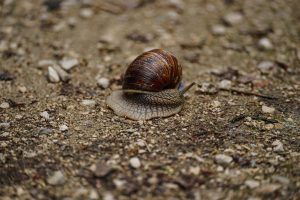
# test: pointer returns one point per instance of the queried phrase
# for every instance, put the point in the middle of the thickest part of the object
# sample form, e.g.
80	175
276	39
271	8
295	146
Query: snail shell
150	87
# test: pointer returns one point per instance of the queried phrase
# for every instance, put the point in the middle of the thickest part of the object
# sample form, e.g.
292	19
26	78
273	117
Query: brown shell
154	71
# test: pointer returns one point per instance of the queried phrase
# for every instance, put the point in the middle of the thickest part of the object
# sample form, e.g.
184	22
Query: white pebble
278	146
135	162
265	44
266	109
53	75
57	178
265	66
103	83
68	64
63	127
88	102
251	183
223	159
64	76
86	13
45	115
225	84
233	18
45	63
4	105
218	29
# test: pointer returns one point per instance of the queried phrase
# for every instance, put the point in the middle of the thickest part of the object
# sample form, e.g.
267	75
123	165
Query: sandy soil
237	136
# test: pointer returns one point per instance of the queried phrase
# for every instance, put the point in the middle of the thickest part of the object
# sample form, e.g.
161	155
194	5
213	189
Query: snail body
151	87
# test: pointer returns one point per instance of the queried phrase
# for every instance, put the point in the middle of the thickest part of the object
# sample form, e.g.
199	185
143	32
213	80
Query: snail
151	87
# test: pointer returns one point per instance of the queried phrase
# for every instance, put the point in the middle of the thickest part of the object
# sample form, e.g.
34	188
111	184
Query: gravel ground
237	136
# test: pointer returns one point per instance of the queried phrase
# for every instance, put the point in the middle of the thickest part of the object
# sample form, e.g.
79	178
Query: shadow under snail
151	87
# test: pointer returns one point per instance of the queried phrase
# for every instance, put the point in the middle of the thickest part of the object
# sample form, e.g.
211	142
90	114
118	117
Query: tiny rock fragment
265	44
252	183
45	115
103	82
102	169
223	159
64	76
277	146
86	13
68	64
108	196
268	188
4	125
218	29
233	18
45	63
93	195
135	162
63	127
225	84
4	105
266	109
88	102
22	89
265	66
57	178
281	179
53	75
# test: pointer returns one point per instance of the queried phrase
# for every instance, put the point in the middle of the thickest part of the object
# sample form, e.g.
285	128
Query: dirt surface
238	136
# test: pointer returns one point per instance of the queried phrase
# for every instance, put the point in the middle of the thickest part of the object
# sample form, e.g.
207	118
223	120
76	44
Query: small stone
120	184
135	162
103	83
68	64
93	195
233	18
64	76
216	104
266	109
194	170
4	125
45	63
86	13
265	44
102	169
225	84
63	127
265	66
223	159
218	29
281	179
252	184
45	131
4	105
22	89
45	115
268	188
277	146
53	75
57	178
108	196
88	102
269	126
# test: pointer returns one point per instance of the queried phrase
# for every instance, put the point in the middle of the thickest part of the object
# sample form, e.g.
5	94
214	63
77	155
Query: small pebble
22	89
45	63
45	131
88	102
252	184
45	115
86	13
4	105
265	44
63	127
265	66
53	75
108	196
225	84
103	83
281	179
277	146
223	159
57	178
4	125
68	64
135	162
233	18
93	195
218	29
64	76
266	109
268	188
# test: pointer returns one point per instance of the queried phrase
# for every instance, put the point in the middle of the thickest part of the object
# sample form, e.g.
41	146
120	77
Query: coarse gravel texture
237	137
